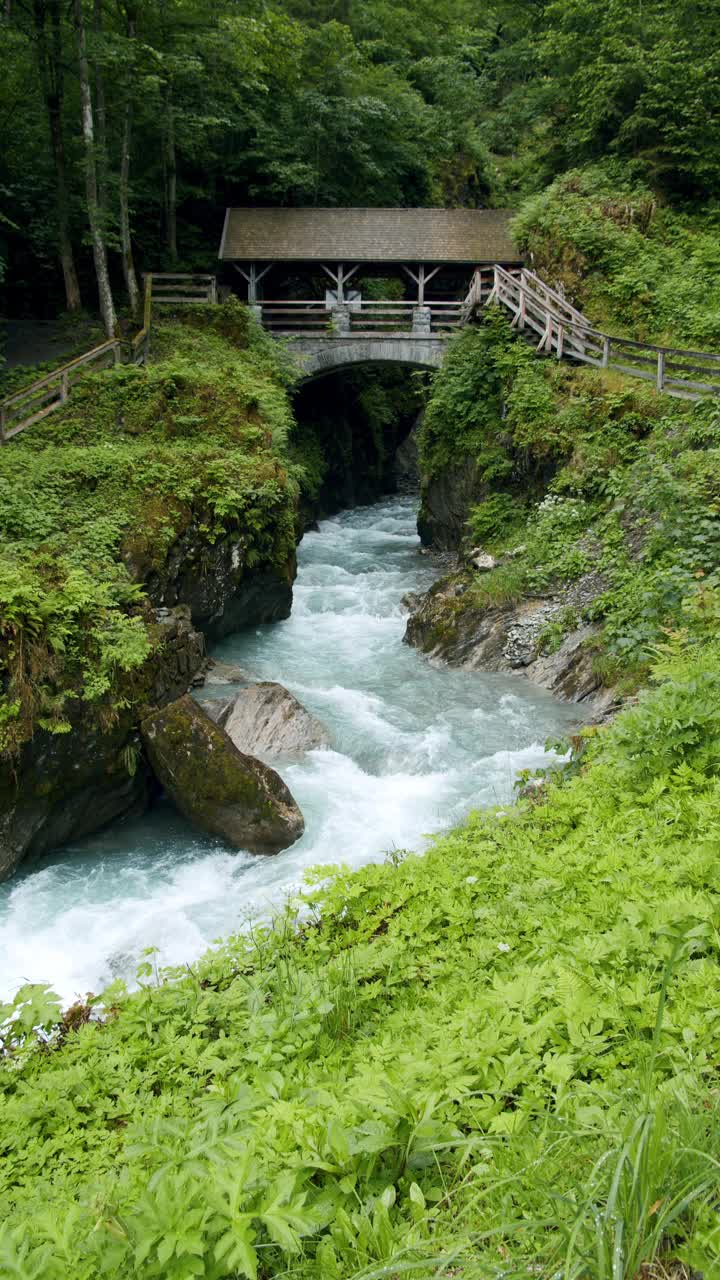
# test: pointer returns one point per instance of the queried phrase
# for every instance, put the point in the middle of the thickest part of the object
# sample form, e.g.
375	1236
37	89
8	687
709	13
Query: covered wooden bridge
360	285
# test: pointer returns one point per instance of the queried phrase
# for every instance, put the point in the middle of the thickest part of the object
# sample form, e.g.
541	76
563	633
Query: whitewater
415	747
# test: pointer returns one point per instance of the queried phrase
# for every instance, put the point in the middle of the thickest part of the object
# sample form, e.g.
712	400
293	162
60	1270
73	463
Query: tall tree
126	249
49	54
95	219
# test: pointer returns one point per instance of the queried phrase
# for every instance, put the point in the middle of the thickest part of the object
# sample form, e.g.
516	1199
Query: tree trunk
170	180
107	307
50	63
100	117
128	263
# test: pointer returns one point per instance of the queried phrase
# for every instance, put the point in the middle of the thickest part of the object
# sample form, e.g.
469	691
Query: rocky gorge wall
62	786
203	574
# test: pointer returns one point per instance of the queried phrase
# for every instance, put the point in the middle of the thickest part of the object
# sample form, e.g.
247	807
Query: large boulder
266	720
220	789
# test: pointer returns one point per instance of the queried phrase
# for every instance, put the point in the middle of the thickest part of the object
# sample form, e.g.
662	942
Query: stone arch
317	357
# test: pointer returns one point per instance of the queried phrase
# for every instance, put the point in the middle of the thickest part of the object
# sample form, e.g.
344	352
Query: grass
498	1059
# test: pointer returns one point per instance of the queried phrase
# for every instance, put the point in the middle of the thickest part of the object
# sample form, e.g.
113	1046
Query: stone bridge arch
317	357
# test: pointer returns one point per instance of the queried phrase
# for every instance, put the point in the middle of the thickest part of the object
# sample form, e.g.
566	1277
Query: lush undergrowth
497	1059
584	478
637	266
92	498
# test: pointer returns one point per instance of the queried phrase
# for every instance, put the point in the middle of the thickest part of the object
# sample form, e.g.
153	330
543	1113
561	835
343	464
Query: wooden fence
42	397
183	287
537	310
562	330
288	317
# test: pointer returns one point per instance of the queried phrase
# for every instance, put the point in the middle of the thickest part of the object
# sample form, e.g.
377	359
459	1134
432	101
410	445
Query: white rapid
415	747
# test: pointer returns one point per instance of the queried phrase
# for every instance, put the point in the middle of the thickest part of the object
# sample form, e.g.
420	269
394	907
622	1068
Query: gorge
414	748
360	486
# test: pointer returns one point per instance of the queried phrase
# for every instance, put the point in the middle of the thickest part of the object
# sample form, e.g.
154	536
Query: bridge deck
415	332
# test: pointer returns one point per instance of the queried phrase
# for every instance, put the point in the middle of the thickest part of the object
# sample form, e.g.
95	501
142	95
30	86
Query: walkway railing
49	393
183	287
42	397
288	317
565	332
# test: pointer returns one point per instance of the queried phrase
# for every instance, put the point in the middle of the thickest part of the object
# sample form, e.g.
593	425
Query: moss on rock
220	789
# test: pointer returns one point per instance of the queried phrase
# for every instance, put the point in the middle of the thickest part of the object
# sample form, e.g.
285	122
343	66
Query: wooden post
606	353
660	381
64	387
340	279
421	278
521	310
212	291
560	341
253	278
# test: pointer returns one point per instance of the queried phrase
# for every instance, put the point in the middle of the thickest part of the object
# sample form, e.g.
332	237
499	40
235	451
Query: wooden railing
537	310
47	394
287	317
42	397
565	332
183	286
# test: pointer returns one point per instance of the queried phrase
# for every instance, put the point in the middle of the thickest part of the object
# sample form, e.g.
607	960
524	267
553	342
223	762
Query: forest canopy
128	127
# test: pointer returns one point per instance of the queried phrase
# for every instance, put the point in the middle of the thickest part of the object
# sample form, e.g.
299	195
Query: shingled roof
367	235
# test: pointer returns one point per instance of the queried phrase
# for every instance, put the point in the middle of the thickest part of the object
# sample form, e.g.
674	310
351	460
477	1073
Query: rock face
65	786
214	581
447	625
217	787
267	721
445	502
407	463
481	561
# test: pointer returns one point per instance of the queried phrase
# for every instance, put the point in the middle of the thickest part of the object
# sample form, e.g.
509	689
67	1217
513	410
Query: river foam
414	748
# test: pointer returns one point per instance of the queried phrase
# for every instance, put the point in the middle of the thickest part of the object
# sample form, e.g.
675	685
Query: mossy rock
220	789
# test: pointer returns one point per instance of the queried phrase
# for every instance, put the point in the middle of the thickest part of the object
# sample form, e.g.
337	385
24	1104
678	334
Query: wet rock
268	721
213	580
225	673
64	786
218	709
411	600
407	463
449	627
219	788
445	502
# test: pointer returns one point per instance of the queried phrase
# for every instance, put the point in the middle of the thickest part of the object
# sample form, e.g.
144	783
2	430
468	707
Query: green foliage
429	1063
493	517
92	500
554	631
581	474
635	265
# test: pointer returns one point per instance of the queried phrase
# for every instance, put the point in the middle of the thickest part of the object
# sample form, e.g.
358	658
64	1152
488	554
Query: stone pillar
341	320
422	320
